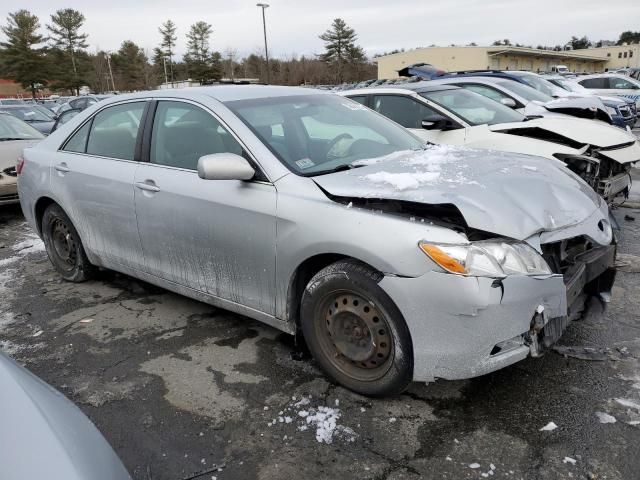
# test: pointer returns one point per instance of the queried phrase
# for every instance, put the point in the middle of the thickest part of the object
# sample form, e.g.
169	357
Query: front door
214	236
92	179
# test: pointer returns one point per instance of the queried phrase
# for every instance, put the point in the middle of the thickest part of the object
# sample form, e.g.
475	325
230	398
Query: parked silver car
44	435
309	212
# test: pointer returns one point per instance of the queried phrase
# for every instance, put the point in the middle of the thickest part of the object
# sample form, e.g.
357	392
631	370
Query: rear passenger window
114	131
182	133
594	82
78	141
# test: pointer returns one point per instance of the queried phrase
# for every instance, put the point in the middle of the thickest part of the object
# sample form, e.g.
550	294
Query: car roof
222	93
420	87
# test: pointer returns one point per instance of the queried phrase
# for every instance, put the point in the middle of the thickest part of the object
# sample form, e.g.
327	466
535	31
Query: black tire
355	332
64	246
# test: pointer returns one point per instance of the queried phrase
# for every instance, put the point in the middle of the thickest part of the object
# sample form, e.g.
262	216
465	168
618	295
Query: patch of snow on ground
570	460
605	417
474	465
549	427
628	403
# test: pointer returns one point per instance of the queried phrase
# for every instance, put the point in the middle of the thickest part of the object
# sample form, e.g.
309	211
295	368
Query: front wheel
354	330
64	246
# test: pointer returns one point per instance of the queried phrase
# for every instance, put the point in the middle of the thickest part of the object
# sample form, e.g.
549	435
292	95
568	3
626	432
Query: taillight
20	165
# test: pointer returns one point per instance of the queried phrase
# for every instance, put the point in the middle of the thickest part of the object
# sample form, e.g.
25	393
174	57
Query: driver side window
403	110
182	133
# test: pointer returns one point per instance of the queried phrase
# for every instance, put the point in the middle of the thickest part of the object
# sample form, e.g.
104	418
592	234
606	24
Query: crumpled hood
580	130
504	193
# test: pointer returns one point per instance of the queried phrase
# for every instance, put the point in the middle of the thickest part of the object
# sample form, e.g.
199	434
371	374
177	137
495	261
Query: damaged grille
561	255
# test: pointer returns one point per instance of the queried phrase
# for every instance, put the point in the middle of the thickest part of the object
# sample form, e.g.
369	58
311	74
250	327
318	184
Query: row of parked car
42	115
438	229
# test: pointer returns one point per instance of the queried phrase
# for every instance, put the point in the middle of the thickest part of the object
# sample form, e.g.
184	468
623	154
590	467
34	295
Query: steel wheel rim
63	242
355	335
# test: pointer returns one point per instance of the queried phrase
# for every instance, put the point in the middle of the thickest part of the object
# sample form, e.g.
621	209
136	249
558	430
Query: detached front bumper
464	327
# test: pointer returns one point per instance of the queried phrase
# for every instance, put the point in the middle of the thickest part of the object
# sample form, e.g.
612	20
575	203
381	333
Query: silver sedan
396	261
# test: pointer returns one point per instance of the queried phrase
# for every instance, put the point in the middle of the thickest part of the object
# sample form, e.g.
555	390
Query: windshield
13	129
538	83
315	134
528	93
28	114
473	108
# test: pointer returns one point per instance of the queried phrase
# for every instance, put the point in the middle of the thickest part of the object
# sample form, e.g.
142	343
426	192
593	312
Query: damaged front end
605	169
587	271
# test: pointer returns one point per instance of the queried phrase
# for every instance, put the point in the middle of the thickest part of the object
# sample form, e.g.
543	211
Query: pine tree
65	34
341	49
130	64
20	58
202	65
168	43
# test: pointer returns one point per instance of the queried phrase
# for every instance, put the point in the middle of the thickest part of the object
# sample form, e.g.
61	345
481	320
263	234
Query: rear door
214	236
92	179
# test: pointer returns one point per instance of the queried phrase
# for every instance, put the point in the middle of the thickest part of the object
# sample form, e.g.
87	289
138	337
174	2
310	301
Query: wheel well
301	277
41	206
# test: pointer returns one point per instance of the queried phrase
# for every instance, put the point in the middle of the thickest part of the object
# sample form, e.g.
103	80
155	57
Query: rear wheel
355	332
64	246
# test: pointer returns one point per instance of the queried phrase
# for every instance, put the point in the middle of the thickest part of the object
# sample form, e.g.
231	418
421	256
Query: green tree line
55	55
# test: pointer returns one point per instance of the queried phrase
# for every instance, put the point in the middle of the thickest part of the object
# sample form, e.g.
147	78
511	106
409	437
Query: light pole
264	28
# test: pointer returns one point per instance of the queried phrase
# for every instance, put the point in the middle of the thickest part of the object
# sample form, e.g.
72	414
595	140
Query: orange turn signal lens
447	262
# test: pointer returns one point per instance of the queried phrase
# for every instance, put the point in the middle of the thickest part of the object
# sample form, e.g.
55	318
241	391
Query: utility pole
264	28
230	55
164	62
113	85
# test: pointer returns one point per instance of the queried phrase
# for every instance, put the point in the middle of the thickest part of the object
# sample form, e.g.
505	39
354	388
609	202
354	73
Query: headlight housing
488	258
611	111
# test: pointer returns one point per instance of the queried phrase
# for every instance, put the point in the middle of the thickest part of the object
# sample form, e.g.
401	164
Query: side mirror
224	166
508	102
437	122
64	117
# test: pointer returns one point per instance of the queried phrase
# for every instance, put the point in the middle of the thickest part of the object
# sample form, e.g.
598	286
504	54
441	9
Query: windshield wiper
9	139
339	168
532	117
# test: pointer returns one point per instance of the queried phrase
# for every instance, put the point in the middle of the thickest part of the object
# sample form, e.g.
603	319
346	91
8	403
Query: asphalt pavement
183	390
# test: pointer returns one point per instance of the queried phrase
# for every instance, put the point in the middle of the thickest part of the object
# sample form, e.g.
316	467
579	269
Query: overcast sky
382	25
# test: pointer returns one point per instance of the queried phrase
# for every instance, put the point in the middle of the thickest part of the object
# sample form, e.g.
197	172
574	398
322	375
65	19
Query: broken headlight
487	258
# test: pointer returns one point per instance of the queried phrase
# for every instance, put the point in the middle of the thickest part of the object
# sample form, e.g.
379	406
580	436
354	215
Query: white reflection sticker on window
305	163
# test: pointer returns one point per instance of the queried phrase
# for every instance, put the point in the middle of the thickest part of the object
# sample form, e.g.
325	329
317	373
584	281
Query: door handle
62	167
149	187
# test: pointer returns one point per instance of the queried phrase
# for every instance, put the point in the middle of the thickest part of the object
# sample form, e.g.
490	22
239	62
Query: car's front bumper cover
463	327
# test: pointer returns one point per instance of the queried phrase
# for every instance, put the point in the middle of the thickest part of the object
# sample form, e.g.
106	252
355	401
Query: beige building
510	58
617	56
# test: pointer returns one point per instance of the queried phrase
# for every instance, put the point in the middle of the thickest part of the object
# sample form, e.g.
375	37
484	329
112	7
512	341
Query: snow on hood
504	193
581	130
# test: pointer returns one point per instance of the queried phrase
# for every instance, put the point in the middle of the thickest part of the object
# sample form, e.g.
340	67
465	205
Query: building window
625	54
630	53
619	54
609	54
